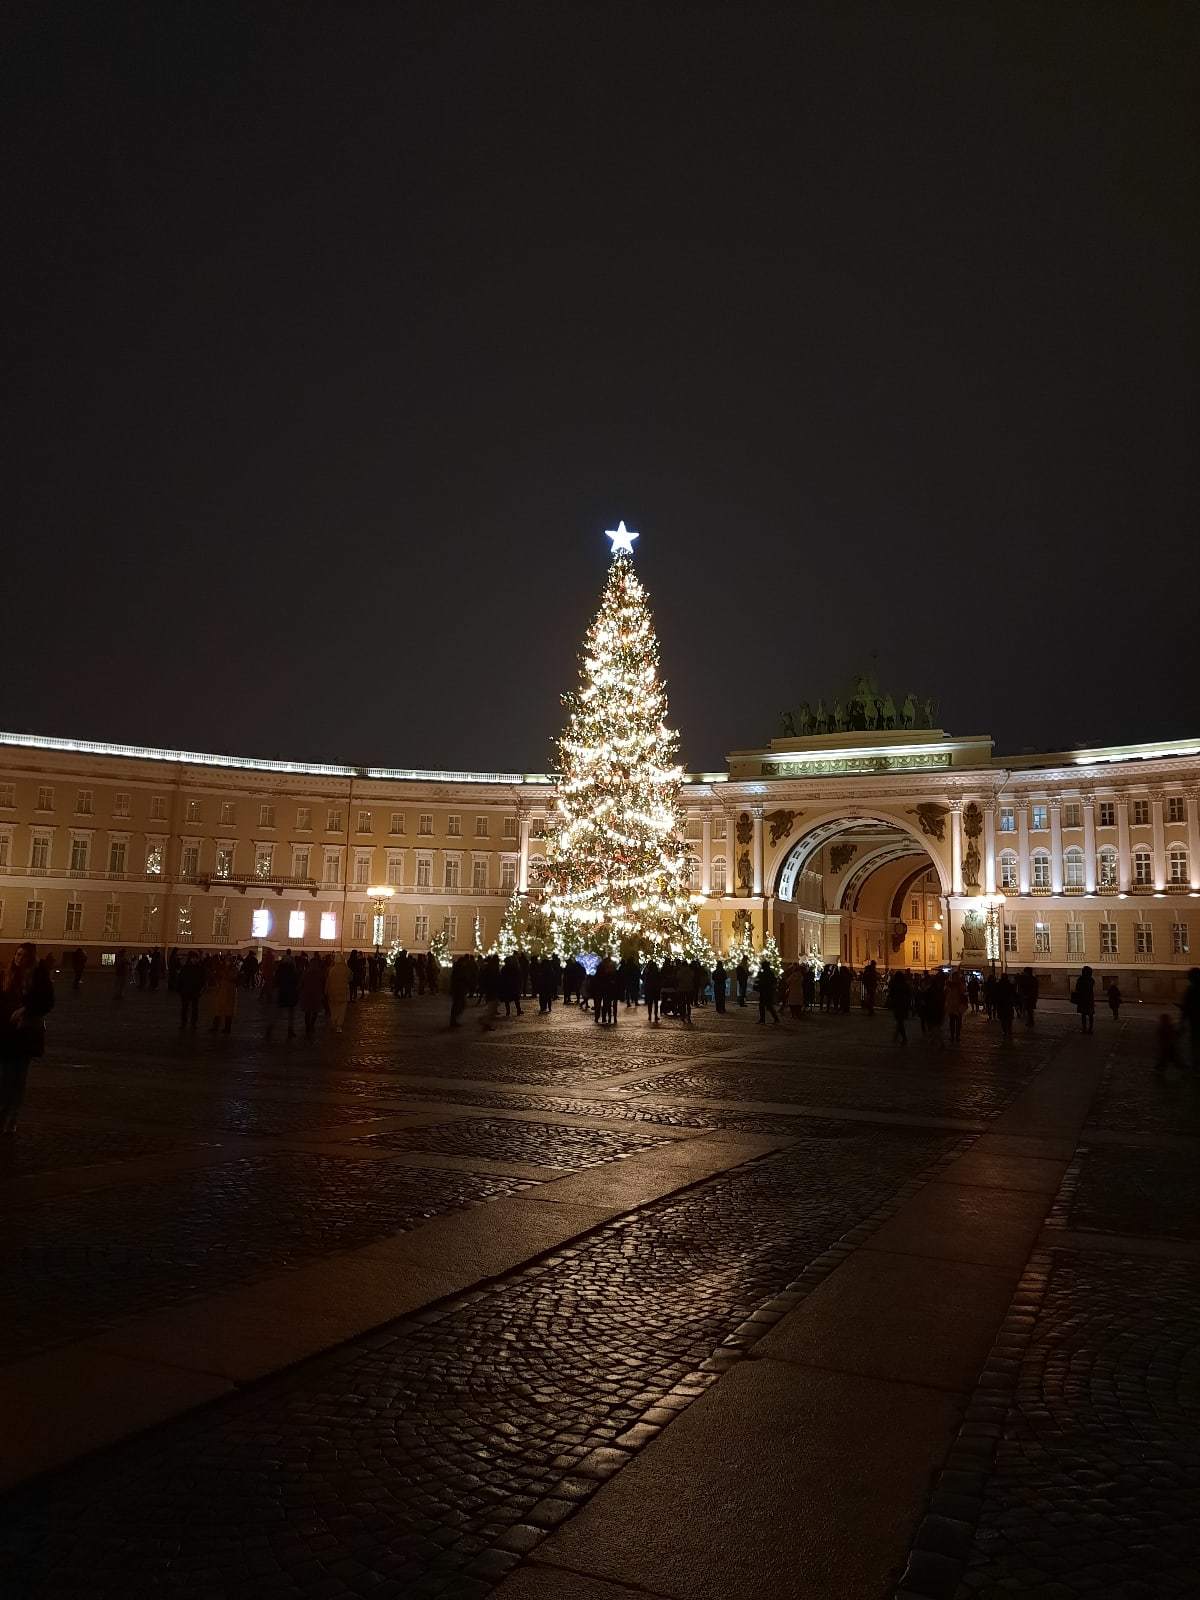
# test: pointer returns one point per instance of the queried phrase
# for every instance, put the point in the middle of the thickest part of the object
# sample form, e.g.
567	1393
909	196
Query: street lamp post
380	893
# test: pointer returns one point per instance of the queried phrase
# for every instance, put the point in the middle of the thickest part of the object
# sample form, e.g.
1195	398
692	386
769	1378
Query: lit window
425	822
39	852
300	859
1139	813
718	875
395	867
189	861
537	866
296	925
264	854
228	814
508	876
260	923
510	827
5	848
358	927
1075	939
1106	867
1041	871
1177	866
454	826
450	927
1009	871
1108	938
362	867
112	922
83	802
193	811
1072	816
916	949
224	866
183	922
220	924
391	928
1179	939
1143	938
74	918
914	908
79	855
1039	819
1041	938
364	822
116	857
420	928
333	870
1073	868
1107	813
303	819
1008	820
328	925
1176	808
1010	938
34	911
1143	868
150	920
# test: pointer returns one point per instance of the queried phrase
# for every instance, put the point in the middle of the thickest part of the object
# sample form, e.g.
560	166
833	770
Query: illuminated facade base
905	847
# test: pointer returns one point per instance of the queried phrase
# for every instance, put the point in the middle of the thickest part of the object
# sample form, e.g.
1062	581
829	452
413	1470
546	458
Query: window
1177	865
193	811
537	866
508	876
454	826
694	829
189	861
916	949
1009	872
45	798
333	824
397	822
228	814
510	827
8	794
1008	820
328	925
332	874
264	854
1073	868
1176	808
481	827
1072	815
425	822
914	908
300	856
296	925
1108	938
363	824
1143	868
260	923
358	927
266	815
1143	938
150	920
116	857
718	875
5	848
83	802
120	804
34	911
718	828
224	866
74	918
158	808
303	819
479	874
1075	939
1039	817
450	927
39	852
395	867
391	928
1108	813
1041	938
1106	867
1139	813
1179	939
424	872
79	854
420	928
1041	870
220	925
362	867
1010	938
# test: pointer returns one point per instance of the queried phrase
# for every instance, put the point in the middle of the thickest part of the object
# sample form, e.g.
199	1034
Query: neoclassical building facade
910	847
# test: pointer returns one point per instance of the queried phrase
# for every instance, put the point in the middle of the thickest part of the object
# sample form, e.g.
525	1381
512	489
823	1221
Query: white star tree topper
622	539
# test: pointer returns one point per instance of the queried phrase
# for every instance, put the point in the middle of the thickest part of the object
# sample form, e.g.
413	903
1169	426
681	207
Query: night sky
338	334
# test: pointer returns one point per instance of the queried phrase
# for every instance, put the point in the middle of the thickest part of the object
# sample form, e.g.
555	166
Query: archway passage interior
858	890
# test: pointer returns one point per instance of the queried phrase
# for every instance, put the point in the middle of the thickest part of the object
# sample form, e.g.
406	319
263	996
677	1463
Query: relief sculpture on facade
932	818
972	826
781	824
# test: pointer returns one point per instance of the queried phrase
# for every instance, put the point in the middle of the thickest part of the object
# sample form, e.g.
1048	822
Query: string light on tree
615	867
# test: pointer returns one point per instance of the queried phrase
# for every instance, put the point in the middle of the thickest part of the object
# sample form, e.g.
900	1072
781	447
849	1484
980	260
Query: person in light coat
337	992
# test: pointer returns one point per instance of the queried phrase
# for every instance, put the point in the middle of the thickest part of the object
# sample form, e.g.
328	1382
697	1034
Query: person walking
956	1003
685	991
337	992
1005	1005
1113	996
899	1003
120	976
460	987
652	989
720	981
158	969
767	986
870	986
510	986
1189	1008
1084	996
287	993
1027	995
312	994
741	974
26	998
549	973
225	988
190	986
78	963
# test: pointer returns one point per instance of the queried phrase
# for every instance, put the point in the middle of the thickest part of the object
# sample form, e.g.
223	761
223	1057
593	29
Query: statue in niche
840	855
932	818
781	824
899	930
974	936
743	927
745	874
745	828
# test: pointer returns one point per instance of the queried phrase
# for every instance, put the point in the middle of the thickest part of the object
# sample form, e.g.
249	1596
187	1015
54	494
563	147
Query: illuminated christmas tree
615	875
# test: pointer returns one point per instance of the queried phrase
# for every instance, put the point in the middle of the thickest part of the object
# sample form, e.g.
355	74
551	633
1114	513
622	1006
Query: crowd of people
304	988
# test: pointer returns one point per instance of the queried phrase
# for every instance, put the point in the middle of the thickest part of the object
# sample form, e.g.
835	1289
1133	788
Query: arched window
1106	866
693	874
1143	869
718	875
1009	872
1041	869
1073	868
1177	865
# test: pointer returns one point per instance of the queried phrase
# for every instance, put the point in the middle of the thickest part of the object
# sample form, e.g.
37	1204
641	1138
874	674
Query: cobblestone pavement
538	1143
424	1460
1133	1189
1135	1099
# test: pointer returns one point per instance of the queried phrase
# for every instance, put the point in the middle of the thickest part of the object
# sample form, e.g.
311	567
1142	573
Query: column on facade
757	860
1122	843
1089	843
1159	838
1193	805
956	877
1023	847
523	863
989	846
1056	859
706	852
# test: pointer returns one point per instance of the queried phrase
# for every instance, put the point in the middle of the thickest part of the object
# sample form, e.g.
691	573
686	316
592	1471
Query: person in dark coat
548	976
158	969
899	1003
1027	994
510	986
768	987
652	989
720	980
1113	996
461	978
287	992
312	994
1084	996
26	998
741	974
1189	1008
78	963
190	986
1005	1004
870	985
